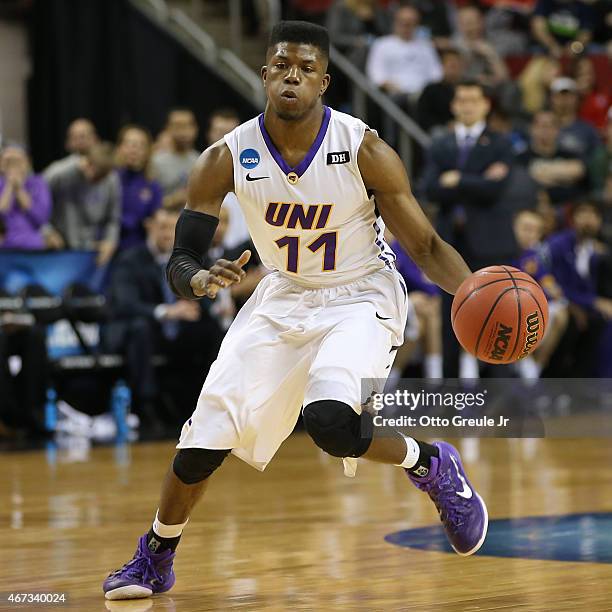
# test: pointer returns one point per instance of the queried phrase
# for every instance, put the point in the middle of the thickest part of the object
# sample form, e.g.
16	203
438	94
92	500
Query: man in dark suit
148	320
467	176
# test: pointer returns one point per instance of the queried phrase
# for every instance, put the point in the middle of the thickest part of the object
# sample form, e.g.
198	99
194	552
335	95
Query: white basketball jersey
314	223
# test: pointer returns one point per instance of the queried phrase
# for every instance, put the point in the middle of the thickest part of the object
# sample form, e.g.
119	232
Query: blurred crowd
121	200
516	97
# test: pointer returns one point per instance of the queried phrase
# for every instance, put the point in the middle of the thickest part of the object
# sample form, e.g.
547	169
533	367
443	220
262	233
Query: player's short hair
301	32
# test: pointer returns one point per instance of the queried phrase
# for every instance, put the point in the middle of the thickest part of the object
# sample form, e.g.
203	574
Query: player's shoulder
213	170
345	121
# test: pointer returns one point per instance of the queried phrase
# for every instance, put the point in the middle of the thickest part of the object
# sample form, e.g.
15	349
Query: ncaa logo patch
249	158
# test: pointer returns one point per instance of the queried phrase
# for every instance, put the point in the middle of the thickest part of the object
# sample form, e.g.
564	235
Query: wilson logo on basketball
501	342
533	327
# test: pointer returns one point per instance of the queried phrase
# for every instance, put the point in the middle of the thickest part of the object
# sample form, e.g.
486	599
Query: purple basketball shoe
146	574
461	509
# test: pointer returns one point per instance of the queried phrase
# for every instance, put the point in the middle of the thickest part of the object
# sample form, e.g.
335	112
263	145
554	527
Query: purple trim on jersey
379	244
316	145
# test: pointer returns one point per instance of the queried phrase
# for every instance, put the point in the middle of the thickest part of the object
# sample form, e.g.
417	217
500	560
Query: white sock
529	368
412	453
167	531
433	365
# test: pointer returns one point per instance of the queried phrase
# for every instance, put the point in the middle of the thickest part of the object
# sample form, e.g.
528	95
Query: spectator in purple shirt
578	260
141	196
25	201
528	226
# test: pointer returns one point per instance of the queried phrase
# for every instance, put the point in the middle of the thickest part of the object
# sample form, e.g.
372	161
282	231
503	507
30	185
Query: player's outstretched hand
222	274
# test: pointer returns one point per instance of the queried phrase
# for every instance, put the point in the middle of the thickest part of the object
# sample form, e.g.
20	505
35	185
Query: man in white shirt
402	64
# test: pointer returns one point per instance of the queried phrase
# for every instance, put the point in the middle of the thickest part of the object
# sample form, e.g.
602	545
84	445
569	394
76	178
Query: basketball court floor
302	536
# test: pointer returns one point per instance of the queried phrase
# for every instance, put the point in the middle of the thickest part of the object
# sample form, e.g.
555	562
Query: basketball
499	314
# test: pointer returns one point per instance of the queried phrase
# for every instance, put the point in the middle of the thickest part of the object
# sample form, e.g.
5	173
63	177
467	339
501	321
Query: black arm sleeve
193	236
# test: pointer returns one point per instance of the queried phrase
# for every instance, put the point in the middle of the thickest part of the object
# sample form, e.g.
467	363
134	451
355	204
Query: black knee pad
337	429
192	465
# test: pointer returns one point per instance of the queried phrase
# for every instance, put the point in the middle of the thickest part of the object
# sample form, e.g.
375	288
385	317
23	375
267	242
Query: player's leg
434	468
150	570
258	378
354	357
340	431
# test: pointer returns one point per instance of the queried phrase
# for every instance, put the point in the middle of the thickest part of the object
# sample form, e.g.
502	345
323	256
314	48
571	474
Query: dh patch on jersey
249	159
338	157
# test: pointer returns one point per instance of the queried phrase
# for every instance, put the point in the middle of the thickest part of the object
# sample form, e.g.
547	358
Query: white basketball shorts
290	346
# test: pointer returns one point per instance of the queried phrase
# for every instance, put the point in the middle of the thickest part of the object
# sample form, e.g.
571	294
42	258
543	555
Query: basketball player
311	182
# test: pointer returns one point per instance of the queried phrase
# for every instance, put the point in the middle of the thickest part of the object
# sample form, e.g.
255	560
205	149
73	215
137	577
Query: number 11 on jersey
327	241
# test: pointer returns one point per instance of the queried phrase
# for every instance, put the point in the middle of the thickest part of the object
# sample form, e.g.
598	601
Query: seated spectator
354	24
561	173
222	122
482	61
507	25
434	105
528	229
25	201
574	255
171	169
80	137
535	81
424	324
576	136
140	196
402	64
86	204
562	26
594	99
150	320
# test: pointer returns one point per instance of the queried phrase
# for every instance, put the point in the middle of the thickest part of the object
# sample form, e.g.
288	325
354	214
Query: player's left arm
384	174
